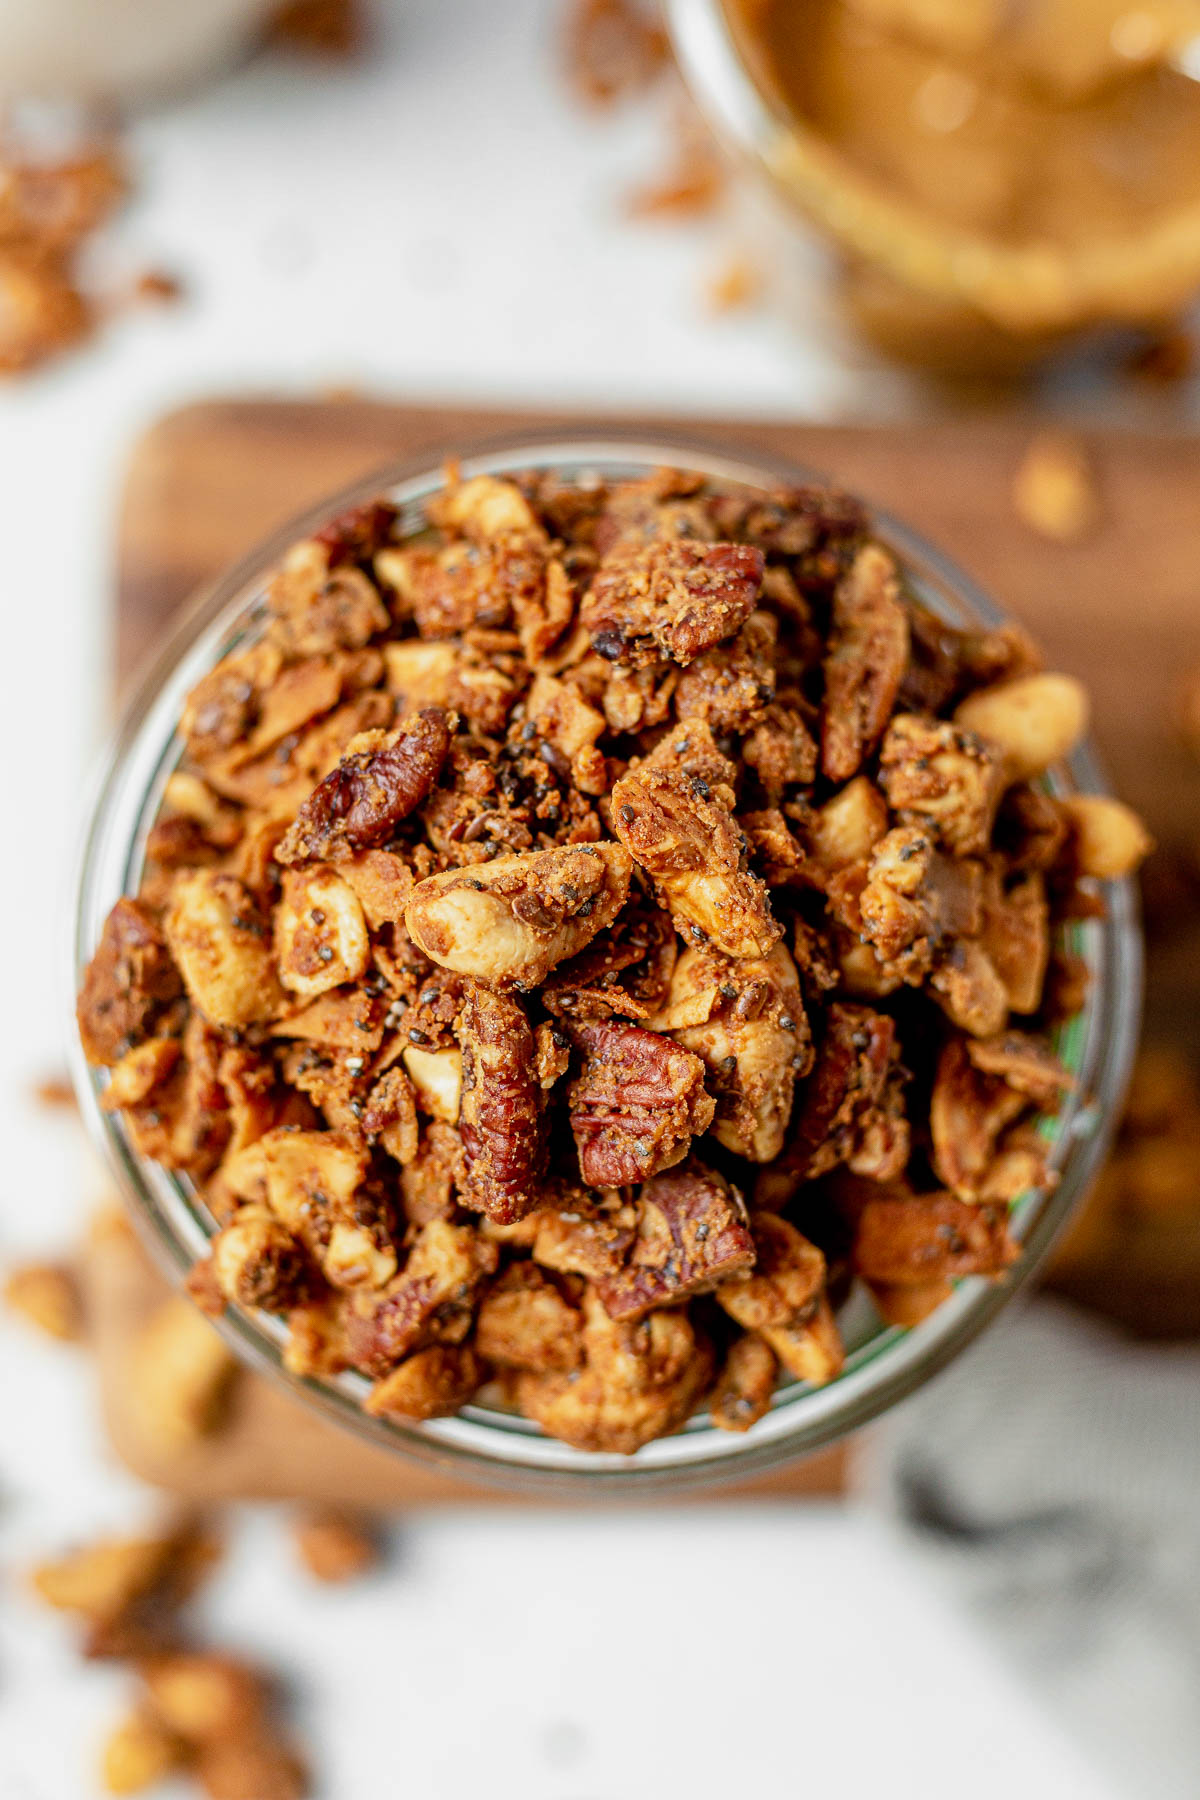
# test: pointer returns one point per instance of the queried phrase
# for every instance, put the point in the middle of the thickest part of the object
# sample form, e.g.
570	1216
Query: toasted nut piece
525	1323
437	1076
484	506
810	1348
784	1282
320	934
674	814
754	1048
222	946
868	649
138	1753
745	1385
945	778
203	1697
334	1546
103	1579
179	1374
908	1239
380	779
1109	840
139	1072
636	1104
257	1262
429	1385
640	1381
509	921
847	828
128	981
1035	721
433	1292
907	1306
500	1117
313	1183
692	1234
47	1294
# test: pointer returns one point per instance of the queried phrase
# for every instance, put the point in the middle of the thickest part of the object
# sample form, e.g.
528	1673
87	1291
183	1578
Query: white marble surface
438	222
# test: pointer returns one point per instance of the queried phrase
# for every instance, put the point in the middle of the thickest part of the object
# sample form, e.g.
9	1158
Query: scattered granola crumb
736	285
47	212
694	180
1054	490
53	1092
321	27
613	48
334	1545
1165	359
138	1752
158	286
196	1710
47	1295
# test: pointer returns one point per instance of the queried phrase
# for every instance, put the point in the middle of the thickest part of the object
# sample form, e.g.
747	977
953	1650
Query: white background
439	221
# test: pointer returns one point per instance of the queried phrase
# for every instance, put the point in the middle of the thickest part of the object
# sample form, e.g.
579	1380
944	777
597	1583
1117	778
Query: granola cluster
586	933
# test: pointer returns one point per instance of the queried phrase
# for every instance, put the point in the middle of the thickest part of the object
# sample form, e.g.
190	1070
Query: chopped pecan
745	1385
500	1118
845	1089
373	788
525	1322
755	1043
636	1105
357	533
669	597
944	776
868	650
907	1239
674	814
510	921
129	980
444	1267
692	1233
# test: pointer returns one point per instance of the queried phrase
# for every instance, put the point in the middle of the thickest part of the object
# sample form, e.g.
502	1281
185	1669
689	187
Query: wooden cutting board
1121	609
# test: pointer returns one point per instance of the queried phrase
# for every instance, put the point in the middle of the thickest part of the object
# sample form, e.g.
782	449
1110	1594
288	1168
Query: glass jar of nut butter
995	180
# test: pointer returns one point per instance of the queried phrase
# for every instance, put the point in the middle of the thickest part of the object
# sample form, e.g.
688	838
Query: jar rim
480	1444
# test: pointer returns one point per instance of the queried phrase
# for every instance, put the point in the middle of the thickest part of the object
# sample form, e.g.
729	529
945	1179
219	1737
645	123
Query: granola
587	933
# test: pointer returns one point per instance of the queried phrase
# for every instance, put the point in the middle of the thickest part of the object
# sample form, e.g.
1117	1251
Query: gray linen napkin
1051	1477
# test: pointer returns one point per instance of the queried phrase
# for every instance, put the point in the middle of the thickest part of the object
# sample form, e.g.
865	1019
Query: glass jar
928	266
883	1363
